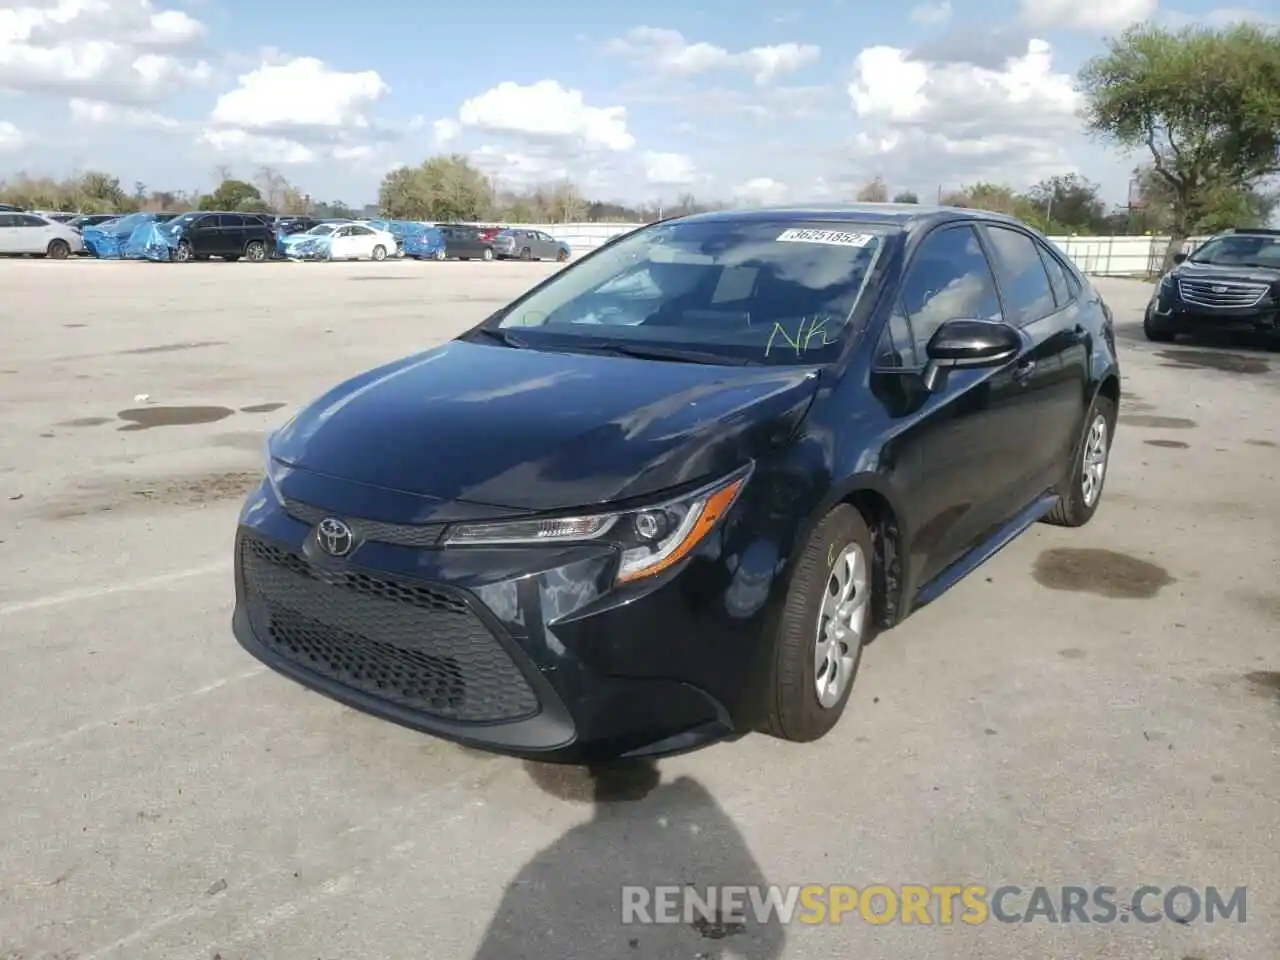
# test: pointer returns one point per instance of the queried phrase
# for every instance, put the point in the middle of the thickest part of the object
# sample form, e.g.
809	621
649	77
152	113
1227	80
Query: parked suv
1230	282
466	242
228	236
524	244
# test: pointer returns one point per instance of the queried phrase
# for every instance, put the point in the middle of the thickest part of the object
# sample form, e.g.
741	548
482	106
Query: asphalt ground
1097	707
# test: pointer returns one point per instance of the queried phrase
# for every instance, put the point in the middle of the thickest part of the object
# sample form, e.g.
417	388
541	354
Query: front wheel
562	256
184	253
441	255
1155	330
255	251
826	621
1082	490
58	250
488	254
379	253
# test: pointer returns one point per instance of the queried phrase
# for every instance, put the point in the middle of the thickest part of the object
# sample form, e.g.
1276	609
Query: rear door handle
1023	370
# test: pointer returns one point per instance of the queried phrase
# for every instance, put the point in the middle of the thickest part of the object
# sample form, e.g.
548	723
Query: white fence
1099	256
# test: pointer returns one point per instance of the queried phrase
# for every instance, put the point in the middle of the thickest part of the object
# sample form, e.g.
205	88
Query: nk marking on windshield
832	238
931	904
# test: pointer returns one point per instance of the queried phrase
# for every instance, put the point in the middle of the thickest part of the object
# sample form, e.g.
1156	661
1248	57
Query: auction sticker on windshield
835	238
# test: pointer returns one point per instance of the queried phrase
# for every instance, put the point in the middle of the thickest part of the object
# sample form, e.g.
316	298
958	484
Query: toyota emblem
335	537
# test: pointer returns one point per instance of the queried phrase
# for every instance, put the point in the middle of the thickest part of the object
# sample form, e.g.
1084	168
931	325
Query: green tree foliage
1204	104
874	190
233	195
440	188
906	196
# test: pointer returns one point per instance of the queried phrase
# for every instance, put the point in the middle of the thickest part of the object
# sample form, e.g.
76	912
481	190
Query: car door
32	234
231	235
362	242
202	235
957	463
1057	363
342	246
8	233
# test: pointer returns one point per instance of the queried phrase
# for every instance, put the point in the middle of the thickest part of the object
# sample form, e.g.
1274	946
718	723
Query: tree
1069	204
1205	104
905	196
441	188
233	195
874	191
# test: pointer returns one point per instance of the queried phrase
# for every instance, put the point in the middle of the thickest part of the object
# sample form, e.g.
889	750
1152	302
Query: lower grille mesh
410	644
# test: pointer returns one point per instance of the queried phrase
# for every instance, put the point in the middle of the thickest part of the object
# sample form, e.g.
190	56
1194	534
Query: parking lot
1093	707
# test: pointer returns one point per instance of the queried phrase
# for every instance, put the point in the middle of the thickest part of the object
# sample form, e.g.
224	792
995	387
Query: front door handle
1023	370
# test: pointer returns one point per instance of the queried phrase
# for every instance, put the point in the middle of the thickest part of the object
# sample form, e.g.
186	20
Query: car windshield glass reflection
773	291
1240	251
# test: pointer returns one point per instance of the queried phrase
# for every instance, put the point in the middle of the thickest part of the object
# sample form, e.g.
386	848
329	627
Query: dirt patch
1104	573
1213	360
1137	406
1167	444
247	440
84	422
185	491
1261	443
1265	682
144	418
174	347
1158	423
263	408
1072	653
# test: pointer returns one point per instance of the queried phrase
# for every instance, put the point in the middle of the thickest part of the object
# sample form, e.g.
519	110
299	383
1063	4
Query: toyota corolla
668	495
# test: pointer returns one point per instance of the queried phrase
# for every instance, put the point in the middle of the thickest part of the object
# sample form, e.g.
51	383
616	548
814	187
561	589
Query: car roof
905	216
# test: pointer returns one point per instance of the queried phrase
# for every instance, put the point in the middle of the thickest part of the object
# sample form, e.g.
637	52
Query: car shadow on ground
568	900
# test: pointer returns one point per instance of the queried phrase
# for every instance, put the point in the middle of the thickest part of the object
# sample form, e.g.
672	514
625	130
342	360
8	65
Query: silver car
28	233
518	243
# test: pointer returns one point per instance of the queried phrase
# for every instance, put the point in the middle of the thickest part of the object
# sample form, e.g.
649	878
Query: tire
58	250
487	255
255	251
562	256
440	255
184	253
379	253
526	254
1083	491
793	709
1156	331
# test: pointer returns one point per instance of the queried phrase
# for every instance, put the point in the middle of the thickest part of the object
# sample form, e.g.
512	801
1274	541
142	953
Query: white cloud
761	191
669	52
1086	14
948	120
297	111
11	138
1221	17
97	113
446	130
118	51
669	169
547	111
520	169
931	14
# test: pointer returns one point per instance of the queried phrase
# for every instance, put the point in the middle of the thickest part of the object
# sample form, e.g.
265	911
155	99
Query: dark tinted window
949	279
27	220
8	220
1057	277
1023	281
897	345
230	220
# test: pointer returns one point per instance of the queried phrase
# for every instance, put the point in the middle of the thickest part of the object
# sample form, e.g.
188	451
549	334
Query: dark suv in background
1231	282
228	236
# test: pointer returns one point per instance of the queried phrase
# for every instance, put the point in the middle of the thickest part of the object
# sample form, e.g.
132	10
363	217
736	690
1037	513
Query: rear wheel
440	254
488	253
58	250
1155	329
826	621
562	256
526	254
1082	490
255	251
379	252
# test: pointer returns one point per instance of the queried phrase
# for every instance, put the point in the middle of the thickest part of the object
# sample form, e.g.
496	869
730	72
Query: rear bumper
509	653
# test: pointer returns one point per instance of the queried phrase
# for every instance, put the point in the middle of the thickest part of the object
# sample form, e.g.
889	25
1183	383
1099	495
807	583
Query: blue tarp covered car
152	241
313	244
425	243
110	240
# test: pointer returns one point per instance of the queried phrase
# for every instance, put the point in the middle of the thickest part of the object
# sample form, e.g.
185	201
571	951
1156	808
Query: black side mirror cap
1179	257
969	344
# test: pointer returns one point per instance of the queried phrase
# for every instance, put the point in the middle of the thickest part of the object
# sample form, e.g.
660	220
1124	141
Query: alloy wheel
1093	467
842	623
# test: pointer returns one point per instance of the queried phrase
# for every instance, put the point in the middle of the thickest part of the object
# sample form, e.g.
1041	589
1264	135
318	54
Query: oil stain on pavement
1212	360
1167	444
1104	573
84	422
175	347
1265	682
1159	423
1261	443
144	418
263	408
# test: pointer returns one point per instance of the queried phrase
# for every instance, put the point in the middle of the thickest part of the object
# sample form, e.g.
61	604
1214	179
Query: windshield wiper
502	336
645	352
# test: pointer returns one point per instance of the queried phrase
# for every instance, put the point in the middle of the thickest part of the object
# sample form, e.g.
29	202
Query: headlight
651	539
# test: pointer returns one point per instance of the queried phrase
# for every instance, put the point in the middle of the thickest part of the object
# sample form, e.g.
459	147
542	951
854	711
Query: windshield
760	290
322	229
1240	251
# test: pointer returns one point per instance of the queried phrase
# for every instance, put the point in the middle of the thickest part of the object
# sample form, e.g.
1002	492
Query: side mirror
969	344
1179	257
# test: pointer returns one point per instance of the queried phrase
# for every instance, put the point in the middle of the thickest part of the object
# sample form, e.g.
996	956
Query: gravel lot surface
1094	707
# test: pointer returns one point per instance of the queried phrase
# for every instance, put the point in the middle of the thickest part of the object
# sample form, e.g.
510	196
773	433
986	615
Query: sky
762	101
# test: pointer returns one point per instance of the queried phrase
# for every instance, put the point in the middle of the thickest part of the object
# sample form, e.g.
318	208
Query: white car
355	241
30	233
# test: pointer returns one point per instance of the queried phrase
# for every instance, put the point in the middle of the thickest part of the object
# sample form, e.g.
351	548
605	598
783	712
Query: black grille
401	534
414	645
1229	294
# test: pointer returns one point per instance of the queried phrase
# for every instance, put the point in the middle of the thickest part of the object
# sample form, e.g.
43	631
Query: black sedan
668	495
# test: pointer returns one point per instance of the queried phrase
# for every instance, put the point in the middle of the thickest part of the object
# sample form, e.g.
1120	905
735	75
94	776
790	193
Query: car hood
531	430
1210	271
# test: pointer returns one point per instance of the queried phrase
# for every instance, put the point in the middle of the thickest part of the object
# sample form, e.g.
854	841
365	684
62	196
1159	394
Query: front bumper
1170	310
515	650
